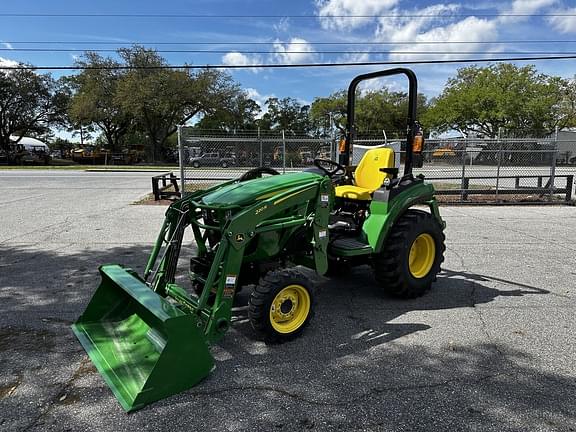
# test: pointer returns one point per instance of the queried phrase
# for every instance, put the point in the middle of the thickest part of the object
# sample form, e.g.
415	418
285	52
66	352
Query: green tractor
149	337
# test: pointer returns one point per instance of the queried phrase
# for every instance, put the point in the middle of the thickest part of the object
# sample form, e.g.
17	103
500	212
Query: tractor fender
384	214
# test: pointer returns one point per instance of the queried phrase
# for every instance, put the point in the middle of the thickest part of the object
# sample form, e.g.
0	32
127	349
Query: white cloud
282	26
378	84
333	12
404	28
8	45
524	7
470	29
7	62
235	58
436	32
298	50
530	6
437	27
564	24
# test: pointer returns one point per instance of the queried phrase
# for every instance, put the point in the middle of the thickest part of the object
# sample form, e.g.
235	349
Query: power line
290	66
291	43
199	51
208	16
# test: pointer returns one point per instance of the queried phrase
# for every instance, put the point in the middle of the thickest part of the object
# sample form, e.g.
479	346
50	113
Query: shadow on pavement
355	367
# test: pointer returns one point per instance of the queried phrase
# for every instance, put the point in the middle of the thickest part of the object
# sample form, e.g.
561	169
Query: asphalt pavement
491	348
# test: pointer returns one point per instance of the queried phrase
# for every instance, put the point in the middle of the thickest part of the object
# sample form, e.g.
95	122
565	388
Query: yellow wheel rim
289	309
422	254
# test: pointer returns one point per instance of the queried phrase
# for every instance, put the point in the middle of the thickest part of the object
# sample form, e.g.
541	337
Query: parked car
212	159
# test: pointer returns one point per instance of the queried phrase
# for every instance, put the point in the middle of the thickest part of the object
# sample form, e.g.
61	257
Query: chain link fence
510	168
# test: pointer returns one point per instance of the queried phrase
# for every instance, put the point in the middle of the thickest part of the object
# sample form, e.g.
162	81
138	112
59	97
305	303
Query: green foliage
376	111
160	99
286	114
331	107
29	104
94	99
383	110
485	99
239	114
145	103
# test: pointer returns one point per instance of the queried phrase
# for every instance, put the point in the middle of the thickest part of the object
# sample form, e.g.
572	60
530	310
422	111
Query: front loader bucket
145	348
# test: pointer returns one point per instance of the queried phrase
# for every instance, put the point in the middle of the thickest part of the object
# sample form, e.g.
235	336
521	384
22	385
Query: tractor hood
250	191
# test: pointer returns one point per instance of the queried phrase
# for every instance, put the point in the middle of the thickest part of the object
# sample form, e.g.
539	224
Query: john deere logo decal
239	238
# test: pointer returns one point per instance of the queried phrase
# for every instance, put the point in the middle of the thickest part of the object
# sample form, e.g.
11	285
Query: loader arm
312	202
148	337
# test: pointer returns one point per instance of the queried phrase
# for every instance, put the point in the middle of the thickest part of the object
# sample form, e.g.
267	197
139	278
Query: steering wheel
257	173
338	169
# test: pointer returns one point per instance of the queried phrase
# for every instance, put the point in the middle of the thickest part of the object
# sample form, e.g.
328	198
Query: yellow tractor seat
367	176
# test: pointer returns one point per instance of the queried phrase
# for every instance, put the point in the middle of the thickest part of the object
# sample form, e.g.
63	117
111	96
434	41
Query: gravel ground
491	348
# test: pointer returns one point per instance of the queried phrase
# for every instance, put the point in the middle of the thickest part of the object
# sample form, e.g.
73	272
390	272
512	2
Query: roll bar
411	120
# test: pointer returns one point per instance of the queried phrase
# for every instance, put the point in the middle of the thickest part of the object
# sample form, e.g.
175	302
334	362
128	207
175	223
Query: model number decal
261	209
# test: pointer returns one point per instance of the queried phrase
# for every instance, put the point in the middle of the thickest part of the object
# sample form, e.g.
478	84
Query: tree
566	106
376	111
94	100
384	110
329	111
160	98
286	114
29	104
240	114
484	99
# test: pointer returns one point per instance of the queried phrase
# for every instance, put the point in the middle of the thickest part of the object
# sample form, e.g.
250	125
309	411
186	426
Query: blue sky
489	22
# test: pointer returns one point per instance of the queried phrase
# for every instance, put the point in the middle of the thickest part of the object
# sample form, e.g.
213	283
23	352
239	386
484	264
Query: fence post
569	186
155	189
283	152
260	145
464	182
468	153
181	161
333	143
465	187
553	162
499	160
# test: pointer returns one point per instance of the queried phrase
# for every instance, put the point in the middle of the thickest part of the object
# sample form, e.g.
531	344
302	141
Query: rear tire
411	258
281	305
196	164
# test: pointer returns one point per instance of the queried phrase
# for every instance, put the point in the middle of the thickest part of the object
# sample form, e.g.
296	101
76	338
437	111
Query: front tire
281	305
411	258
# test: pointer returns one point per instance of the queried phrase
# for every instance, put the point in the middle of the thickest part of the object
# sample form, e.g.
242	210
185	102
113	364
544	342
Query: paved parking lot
492	347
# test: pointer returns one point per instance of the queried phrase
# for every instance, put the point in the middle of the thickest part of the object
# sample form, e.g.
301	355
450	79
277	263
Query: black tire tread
389	267
263	294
